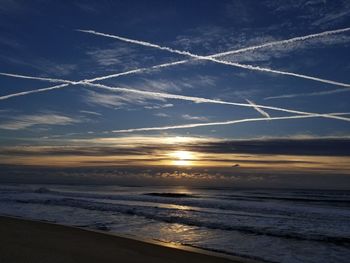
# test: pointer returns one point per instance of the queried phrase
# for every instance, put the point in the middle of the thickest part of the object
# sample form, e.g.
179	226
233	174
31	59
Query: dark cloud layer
312	147
319	147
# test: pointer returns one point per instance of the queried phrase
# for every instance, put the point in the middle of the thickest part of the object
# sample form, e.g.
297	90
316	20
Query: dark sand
36	242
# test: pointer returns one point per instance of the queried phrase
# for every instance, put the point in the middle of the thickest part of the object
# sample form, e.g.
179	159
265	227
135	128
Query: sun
182	158
183	155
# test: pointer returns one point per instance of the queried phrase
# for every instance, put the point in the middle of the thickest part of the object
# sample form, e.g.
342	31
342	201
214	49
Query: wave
269	209
168	217
172	195
293	199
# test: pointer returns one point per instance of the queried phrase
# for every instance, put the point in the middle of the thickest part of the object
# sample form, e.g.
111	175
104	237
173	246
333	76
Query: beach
34	241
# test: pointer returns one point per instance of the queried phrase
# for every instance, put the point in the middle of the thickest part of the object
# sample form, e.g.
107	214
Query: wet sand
35	242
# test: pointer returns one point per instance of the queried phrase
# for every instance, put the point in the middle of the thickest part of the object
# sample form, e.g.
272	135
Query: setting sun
182	157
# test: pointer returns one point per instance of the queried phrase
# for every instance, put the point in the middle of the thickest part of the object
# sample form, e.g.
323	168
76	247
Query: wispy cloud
161	114
90	112
41	64
160	106
191	117
115	55
26	121
117	101
287	49
315	13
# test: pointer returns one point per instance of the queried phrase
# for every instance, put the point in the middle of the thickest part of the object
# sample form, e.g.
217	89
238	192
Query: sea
268	225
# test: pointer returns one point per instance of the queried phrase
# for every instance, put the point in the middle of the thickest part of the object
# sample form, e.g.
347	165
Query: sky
235	93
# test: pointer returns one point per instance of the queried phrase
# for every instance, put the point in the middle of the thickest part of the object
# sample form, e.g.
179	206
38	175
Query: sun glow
182	158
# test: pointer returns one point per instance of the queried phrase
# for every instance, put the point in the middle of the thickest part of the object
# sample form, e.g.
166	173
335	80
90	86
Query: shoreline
23	240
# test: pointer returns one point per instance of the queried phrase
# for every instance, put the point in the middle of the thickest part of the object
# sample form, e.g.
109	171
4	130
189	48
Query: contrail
194	125
213	59
139	70
264	113
32	91
317	93
36	78
166	96
281	42
204	100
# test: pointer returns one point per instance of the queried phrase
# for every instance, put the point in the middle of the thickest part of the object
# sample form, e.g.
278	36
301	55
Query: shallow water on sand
271	225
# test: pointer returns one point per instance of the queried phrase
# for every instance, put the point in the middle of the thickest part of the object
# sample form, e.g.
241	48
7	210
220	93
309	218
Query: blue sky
39	38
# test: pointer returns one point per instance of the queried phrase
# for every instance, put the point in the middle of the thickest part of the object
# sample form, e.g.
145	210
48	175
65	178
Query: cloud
312	13
43	65
265	53
144	145
286	146
90	112
159	106
26	121
191	117
161	114
212	158
117	101
115	55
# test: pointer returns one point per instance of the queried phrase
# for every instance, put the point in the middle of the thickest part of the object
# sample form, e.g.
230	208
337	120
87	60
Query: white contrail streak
166	96
194	125
204	100
32	91
264	113
282	42
36	78
213	59
310	94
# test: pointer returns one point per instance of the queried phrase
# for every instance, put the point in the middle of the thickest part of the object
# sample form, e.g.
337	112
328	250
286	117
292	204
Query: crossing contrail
280	42
194	125
264	113
213	59
157	95
164	65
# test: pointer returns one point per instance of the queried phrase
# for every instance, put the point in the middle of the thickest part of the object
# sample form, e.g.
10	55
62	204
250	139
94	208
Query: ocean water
268	225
